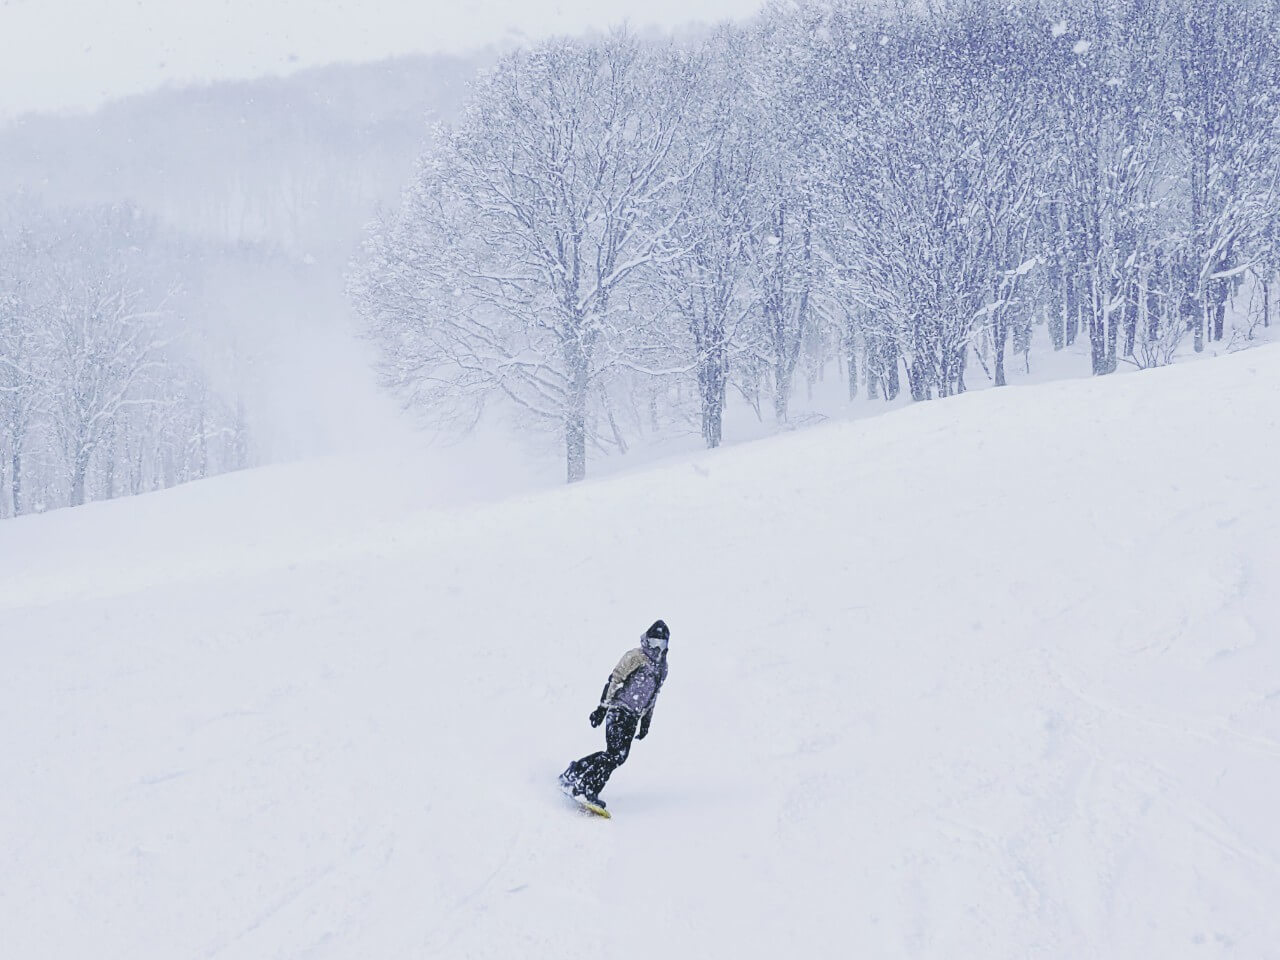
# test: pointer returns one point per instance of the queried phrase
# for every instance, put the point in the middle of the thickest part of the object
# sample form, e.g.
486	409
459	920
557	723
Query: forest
171	274
614	239
618	235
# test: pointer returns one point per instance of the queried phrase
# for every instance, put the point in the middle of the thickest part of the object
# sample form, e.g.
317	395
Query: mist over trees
294	163
101	391
617	235
171	293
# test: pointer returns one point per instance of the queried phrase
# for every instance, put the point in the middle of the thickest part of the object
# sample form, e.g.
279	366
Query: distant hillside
273	181
299	162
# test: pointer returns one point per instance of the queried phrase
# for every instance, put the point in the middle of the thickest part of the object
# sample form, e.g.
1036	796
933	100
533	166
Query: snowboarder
626	710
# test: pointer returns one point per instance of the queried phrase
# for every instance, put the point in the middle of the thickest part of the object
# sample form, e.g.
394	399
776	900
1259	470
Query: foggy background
262	138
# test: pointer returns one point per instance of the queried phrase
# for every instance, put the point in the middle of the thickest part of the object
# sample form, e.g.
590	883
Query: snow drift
989	677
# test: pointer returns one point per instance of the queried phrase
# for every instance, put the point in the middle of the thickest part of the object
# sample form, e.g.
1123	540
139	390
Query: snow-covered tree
20	364
617	233
925	140
512	265
103	338
1106	108
1226	113
99	391
705	278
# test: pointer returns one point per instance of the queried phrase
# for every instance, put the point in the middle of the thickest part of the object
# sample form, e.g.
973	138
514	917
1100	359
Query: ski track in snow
975	679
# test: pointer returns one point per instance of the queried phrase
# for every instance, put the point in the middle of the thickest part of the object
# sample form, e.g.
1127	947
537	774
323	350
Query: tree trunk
1071	296
15	486
1055	273
140	466
1220	292
711	383
202	444
109	477
892	383
1102	326
1001	335
1266	303
918	380
1097	342
1153	301
1219	308
575	414
79	471
575	441
241	436
781	394
1113	336
871	367
109	468
1131	310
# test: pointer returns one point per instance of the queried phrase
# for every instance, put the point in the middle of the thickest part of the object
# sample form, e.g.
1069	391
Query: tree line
103	390
616	235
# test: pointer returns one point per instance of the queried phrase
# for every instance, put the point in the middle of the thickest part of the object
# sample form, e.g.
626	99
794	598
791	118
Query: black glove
597	715
644	727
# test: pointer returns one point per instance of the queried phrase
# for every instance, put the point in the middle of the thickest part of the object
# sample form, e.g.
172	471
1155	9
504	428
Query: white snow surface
996	676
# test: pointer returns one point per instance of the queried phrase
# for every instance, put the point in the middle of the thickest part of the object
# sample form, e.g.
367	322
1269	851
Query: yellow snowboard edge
583	802
594	808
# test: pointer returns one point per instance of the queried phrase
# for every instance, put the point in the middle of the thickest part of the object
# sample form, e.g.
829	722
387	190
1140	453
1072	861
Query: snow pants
593	771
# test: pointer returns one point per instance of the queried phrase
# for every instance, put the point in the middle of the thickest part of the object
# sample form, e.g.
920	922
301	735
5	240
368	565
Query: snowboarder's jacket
634	684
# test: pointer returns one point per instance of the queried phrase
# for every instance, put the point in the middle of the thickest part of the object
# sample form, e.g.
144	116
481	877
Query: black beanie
658	631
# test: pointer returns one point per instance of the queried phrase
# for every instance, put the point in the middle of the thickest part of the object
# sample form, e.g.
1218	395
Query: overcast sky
73	54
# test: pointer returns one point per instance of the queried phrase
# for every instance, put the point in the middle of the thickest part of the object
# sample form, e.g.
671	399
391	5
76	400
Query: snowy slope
990	677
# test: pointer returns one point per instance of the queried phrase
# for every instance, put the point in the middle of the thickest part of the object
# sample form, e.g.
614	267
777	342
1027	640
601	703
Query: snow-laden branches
615	225
97	396
516	263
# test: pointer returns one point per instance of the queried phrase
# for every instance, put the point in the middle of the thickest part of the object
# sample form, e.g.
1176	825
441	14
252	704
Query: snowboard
590	807
583	802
